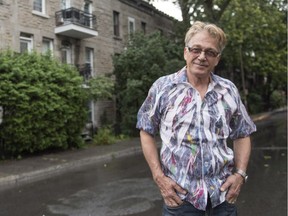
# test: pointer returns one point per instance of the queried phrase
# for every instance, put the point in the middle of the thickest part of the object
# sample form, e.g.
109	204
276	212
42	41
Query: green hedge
43	101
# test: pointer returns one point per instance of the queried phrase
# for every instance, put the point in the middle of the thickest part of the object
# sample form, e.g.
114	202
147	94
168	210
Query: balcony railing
75	23
75	16
85	71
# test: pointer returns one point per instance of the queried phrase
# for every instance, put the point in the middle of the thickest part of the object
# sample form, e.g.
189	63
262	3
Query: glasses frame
197	51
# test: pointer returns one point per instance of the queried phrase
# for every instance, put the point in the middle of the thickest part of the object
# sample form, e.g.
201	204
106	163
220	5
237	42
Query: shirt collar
215	81
181	77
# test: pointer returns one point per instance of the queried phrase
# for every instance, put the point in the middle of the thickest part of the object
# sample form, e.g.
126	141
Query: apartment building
85	33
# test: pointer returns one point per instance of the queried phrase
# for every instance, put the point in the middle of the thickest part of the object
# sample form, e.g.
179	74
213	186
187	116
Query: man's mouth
200	64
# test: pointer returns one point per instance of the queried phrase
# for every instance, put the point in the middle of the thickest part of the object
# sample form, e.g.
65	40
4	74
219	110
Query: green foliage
278	99
262	44
43	103
255	103
145	59
100	87
104	136
257	35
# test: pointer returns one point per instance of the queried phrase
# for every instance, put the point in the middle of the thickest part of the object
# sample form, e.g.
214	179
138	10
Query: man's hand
233	184
169	189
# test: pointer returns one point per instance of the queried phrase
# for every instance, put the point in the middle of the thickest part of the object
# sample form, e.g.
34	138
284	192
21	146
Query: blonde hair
212	29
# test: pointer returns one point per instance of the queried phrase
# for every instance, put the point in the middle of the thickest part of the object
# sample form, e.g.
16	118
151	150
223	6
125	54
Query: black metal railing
85	71
75	16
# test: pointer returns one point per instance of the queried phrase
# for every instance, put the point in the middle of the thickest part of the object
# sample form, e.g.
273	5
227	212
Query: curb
53	170
32	176
265	115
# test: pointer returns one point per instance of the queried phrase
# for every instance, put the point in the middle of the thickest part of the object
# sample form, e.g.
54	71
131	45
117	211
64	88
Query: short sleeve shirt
193	131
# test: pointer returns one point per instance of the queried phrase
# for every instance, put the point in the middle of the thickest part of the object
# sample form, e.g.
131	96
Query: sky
168	7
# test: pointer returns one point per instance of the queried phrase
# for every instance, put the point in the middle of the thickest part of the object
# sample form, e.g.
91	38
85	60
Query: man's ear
185	53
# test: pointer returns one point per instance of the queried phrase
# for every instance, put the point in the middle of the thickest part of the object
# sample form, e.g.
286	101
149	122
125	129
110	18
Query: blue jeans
187	209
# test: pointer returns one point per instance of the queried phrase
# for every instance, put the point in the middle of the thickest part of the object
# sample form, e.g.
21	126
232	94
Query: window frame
88	9
42	10
143	27
116	23
131	20
65	4
89	59
28	39
50	45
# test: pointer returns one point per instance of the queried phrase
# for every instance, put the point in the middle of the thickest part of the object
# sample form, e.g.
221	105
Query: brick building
85	33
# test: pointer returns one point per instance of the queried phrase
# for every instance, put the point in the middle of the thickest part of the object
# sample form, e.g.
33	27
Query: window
66	56
90	113
65	4
39	6
131	25
89	58
87	14
116	23
47	45
66	52
143	27
26	42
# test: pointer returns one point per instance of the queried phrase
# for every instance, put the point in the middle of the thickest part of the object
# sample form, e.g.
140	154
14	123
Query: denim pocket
230	209
177	207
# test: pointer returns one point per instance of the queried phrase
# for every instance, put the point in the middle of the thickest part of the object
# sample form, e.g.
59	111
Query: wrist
242	173
158	176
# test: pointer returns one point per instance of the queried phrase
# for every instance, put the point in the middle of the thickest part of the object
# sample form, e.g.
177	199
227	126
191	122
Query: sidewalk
15	172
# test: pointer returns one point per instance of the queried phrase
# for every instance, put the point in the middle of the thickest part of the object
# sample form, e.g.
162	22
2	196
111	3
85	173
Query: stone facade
19	19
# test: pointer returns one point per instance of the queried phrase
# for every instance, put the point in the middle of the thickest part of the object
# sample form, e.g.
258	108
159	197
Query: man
195	111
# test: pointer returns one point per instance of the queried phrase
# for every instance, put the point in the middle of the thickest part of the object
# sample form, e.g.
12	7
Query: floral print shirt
193	131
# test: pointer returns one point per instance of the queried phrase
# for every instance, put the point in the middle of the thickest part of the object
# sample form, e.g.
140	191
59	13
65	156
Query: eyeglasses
210	53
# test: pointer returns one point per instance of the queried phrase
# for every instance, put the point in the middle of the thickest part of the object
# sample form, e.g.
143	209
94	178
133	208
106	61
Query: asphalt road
123	187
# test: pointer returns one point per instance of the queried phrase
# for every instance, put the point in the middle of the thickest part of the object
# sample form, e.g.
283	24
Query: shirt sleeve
241	124
148	117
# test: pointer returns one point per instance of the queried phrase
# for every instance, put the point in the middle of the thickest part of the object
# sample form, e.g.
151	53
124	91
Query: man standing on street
195	111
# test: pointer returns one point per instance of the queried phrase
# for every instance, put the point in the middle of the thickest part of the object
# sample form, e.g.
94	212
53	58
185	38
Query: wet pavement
265	193
119	187
121	184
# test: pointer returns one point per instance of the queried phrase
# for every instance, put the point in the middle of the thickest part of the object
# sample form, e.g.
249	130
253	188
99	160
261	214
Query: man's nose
202	56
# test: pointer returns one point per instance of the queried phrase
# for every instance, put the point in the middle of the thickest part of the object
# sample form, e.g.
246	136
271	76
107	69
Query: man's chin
200	72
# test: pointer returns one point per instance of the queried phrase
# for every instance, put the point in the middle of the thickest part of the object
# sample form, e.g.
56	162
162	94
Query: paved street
124	186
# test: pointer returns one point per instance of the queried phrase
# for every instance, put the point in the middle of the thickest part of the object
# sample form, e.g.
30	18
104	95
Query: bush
43	101
278	99
255	103
104	136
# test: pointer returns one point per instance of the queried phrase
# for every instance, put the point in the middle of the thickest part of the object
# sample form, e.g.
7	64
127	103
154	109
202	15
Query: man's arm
242	151
167	186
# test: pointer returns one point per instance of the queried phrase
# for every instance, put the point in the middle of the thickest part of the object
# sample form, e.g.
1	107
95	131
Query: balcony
75	23
85	71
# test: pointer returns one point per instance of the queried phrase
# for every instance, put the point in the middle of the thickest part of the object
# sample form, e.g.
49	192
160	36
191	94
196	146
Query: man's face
201	55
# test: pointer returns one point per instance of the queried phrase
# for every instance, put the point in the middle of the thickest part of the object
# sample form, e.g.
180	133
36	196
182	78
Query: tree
44	104
207	10
145	59
251	45
254	36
